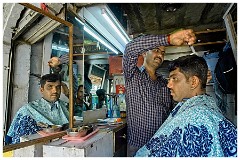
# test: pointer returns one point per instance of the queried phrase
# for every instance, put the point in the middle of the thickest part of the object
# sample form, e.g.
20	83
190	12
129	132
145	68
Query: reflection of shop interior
95	80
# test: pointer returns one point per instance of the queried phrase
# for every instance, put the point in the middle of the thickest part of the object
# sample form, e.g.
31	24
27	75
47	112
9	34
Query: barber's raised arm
55	61
139	46
64	59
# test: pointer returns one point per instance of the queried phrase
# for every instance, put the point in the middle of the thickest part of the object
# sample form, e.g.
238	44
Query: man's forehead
57	82
175	72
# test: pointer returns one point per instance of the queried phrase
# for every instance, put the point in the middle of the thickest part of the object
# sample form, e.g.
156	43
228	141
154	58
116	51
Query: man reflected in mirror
101	93
48	110
80	104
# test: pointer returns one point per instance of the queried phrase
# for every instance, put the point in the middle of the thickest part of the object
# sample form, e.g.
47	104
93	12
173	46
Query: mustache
158	58
55	94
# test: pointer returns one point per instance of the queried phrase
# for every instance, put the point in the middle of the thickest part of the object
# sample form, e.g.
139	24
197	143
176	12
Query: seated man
80	104
196	126
47	110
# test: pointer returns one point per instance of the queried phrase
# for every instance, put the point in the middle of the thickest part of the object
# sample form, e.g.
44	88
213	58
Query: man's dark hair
191	65
50	78
100	92
79	87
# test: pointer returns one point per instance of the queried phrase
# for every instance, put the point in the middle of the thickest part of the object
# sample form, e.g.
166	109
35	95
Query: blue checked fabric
148	102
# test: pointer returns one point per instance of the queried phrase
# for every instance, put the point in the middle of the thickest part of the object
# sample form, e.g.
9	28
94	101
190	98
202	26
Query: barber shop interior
119	79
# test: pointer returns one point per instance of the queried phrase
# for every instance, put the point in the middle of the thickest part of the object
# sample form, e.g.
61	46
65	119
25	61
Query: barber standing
147	97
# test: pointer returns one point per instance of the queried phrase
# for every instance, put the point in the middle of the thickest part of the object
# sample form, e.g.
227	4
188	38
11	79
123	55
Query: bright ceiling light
60	47
89	31
79	21
99	39
118	29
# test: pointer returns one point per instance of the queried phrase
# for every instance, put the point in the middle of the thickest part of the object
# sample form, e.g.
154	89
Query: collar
178	106
175	110
143	68
53	105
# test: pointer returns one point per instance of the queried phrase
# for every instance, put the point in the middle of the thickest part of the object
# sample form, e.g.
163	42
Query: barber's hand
182	37
209	76
54	62
65	89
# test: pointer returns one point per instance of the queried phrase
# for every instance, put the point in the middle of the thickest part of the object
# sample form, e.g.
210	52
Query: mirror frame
70	25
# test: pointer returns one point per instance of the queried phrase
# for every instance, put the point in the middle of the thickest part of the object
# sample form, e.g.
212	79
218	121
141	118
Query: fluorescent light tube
79	21
60	48
104	13
99	39
95	36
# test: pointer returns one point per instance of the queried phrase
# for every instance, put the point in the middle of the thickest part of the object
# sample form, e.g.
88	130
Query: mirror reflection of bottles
105	106
122	105
110	107
116	110
94	101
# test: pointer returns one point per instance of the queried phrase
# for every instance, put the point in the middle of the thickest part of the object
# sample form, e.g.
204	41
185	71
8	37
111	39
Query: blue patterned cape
195	128
27	117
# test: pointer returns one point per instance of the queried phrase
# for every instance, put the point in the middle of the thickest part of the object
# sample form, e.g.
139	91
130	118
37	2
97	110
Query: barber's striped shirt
148	101
65	60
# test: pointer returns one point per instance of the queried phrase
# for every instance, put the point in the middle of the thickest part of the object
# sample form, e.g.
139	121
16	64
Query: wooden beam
210	31
32	142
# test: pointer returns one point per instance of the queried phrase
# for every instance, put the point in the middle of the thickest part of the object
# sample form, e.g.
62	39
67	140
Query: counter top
101	144
103	130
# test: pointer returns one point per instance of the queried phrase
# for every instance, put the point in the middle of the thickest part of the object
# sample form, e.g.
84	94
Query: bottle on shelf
110	107
116	110
105	106
122	105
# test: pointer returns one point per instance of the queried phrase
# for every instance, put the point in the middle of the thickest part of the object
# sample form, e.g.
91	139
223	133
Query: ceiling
163	18
150	18
206	19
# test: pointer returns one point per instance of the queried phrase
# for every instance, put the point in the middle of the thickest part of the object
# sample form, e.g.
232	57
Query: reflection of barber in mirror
80	104
49	110
101	93
56	64
209	76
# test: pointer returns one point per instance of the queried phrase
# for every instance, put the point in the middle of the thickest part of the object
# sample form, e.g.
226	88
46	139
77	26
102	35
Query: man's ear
195	82
144	54
41	89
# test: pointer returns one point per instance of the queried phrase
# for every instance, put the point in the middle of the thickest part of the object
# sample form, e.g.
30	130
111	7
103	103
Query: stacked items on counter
116	106
119	88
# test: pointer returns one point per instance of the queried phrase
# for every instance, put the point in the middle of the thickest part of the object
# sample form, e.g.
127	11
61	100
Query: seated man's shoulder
63	103
203	114
26	106
35	103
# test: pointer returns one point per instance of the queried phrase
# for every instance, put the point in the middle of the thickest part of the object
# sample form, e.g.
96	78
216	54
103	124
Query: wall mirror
37	38
41	37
